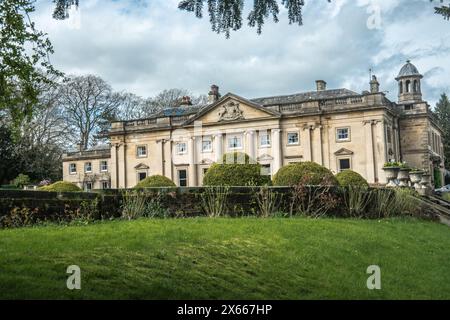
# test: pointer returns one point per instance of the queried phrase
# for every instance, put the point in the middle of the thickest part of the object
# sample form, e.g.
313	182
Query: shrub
356	199
236	169
137	204
155	181
309	173
21	180
213	200
268	201
348	178
61	186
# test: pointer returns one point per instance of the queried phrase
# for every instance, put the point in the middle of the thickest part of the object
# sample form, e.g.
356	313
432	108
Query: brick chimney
213	94
321	85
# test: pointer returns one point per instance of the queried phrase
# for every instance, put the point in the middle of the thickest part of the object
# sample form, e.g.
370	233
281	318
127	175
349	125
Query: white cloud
147	46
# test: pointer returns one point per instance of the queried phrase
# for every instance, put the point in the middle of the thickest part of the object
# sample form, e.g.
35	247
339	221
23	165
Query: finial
408	61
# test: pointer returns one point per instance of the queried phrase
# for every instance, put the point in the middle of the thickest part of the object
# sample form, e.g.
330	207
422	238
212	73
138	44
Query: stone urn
403	177
416	177
391	175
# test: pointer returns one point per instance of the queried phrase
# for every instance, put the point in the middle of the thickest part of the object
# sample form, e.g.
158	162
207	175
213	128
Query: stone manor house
337	128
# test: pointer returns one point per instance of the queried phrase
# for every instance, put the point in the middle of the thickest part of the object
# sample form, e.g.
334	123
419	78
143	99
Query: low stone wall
184	202
179	202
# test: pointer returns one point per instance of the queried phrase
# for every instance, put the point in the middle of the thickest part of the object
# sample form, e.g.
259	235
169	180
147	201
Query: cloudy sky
145	46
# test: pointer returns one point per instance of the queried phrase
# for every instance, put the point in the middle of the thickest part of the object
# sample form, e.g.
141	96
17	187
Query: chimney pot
213	94
321	85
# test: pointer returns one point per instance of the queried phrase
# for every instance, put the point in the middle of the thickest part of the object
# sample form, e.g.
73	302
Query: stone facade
338	128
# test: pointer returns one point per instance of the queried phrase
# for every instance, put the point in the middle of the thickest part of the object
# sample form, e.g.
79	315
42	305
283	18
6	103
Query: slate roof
408	70
179	111
305	96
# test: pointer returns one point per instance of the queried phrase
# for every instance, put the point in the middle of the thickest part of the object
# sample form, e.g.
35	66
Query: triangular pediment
343	152
232	108
265	157
142	166
207	161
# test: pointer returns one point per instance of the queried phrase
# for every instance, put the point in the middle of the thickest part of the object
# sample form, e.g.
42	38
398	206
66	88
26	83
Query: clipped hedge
348	178
305	173
156	181
236	169
60	186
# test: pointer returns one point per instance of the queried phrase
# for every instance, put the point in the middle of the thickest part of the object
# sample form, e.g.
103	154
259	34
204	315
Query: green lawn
228	259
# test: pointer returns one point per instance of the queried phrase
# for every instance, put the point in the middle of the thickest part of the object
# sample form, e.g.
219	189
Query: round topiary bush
348	178
236	169
156	181
306	173
61	186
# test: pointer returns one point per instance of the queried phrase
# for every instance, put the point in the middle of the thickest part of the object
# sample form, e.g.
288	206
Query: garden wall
187	202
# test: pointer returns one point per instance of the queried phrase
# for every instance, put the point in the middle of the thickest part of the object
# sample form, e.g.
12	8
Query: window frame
139	173
86	165
343	139
101	166
339	159
185	148
186	179
210	149
235	137
70	168
142	155
265	165
269	140
293	143
86	186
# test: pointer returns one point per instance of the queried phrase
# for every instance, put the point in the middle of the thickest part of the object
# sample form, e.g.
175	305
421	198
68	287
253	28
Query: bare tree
170	98
131	107
87	101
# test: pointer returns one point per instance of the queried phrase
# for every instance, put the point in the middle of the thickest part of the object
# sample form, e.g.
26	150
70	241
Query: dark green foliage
305	173
437	178
8	157
443	11
61	186
348	178
24	63
62	7
442	112
236	169
21	180
226	15
155	181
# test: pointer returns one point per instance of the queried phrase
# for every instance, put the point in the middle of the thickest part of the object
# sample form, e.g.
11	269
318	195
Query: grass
228	259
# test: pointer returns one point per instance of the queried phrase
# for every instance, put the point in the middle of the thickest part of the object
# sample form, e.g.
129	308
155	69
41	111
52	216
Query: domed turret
409	88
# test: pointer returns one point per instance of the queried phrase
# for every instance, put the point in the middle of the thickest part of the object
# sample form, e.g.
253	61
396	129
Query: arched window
400	87
416	86
408	86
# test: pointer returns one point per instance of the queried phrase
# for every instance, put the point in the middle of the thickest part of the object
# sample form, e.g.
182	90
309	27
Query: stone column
320	146
276	150
113	167
370	156
251	144
218	147
192	164
121	166
307	143
381	156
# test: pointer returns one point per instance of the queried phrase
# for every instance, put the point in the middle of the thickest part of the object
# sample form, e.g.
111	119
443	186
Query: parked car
442	190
